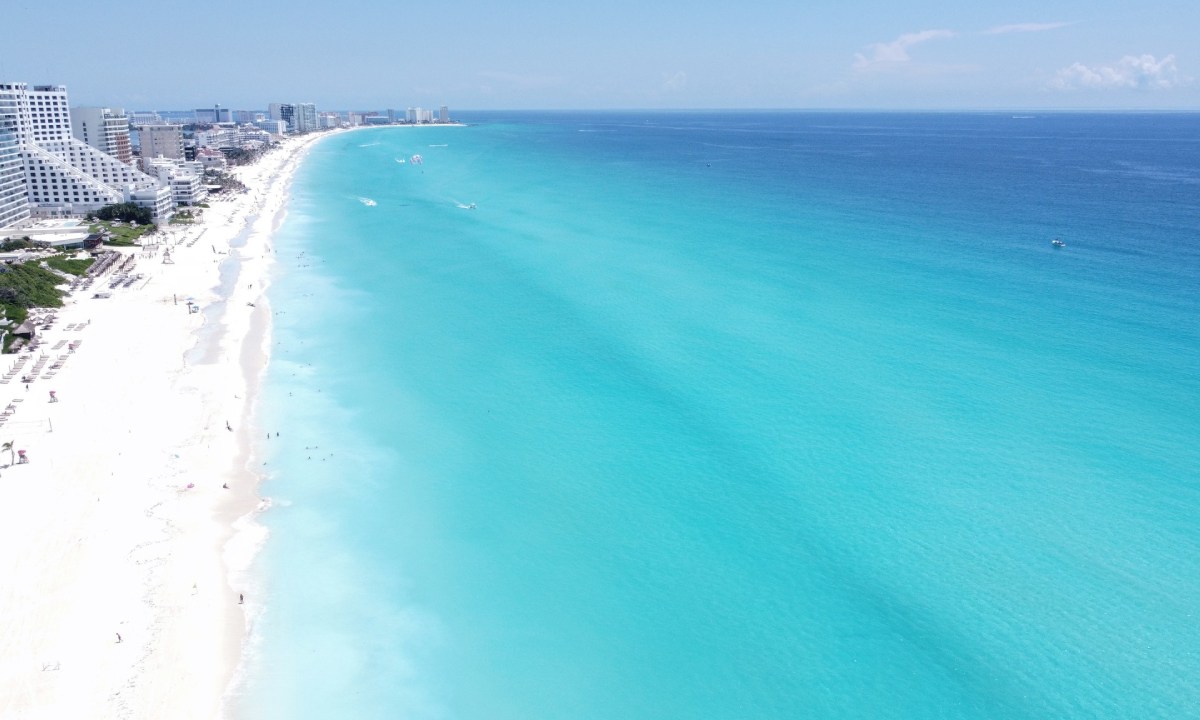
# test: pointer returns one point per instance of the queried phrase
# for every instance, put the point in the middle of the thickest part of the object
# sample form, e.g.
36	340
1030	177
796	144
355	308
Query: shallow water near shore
205	352
770	415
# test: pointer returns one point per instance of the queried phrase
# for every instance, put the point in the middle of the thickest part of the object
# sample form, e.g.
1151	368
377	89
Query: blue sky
535	54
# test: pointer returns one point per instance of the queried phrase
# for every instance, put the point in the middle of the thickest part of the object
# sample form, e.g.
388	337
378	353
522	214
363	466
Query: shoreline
123	541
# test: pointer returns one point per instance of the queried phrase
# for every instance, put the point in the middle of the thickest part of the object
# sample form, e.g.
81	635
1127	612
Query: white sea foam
240	554
367	201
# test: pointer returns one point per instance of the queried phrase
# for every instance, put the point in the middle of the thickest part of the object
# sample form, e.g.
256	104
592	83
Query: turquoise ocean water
736	416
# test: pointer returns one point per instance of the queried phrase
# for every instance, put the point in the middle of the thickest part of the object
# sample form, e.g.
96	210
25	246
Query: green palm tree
12	458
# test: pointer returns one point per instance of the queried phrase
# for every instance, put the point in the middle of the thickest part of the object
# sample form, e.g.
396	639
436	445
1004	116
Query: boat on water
1058	243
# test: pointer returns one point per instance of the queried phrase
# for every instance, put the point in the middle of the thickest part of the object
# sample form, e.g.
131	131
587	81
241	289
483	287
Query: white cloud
1142	72
1025	28
896	51
678	81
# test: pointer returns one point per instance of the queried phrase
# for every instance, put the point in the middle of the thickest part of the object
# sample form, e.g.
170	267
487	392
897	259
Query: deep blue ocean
735	416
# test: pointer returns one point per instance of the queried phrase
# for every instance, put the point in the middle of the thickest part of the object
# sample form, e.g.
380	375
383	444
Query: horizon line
967	110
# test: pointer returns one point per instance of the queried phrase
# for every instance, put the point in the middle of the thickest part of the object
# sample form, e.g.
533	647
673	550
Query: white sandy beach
119	523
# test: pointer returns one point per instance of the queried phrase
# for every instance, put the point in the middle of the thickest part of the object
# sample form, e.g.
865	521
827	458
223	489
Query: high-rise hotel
60	174
14	200
105	129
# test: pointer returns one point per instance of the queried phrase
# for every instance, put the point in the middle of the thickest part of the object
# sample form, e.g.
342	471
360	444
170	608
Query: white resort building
273	127
211	159
64	176
285	112
230	136
220	136
105	129
155	141
306	117
14	201
299	117
184	177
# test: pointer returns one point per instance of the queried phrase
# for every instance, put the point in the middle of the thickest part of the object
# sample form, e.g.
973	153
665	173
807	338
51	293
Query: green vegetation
70	265
122	235
16	244
183	217
24	286
228	183
126	212
242	156
28	285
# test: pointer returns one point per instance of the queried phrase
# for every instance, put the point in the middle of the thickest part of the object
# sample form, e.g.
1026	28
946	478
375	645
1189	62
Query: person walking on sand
53	396
118	638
